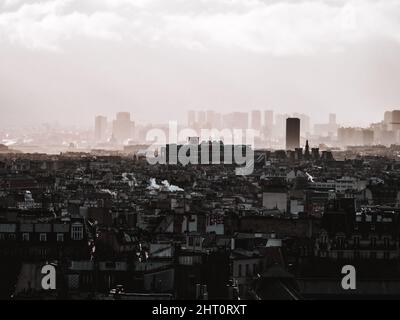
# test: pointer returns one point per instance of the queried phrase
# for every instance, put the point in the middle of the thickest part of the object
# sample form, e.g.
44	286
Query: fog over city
66	61
205	151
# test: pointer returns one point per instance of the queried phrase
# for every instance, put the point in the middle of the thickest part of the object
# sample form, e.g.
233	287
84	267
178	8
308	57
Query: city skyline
201	152
159	59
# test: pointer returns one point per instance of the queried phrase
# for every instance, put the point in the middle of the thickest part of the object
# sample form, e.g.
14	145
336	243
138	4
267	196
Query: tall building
217	121
292	133
210	118
327	129
268	118
100	128
332	118
307	154
256	120
191	118
388	120
123	127
241	120
202	118
395	120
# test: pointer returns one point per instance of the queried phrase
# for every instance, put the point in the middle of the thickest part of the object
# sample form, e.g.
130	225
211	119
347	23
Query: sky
69	60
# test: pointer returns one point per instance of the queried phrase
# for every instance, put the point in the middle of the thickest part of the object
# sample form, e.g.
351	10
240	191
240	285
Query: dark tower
307	151
292	133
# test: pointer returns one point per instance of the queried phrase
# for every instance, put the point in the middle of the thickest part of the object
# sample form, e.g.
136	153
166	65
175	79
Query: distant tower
191	118
395	120
292	133
388	117
123	127
332	118
240	120
256	120
100	128
307	151
202	118
268	118
210	118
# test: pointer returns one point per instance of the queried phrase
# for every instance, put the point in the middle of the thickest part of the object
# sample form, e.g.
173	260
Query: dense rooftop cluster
116	227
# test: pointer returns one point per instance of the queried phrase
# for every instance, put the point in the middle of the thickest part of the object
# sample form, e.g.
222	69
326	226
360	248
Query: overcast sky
69	60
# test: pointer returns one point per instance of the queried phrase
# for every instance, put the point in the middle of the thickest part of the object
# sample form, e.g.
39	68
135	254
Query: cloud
275	27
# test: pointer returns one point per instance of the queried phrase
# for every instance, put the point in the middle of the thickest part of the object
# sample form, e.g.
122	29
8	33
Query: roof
277	272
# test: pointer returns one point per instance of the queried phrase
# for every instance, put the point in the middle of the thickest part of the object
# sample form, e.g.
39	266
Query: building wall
282	227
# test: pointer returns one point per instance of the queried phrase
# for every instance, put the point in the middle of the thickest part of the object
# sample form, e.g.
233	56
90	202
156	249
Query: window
254	268
2	236
356	242
43	237
373	242
77	232
198	241
247	270
191	241
386	242
25	237
340	242
11	236
43	252
60	237
240	270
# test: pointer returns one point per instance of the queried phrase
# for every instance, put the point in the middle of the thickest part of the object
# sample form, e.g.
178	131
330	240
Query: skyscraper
388	117
307	154
123	127
100	128
395	121
210	118
201	118
241	120
333	127
256	120
332	118
217	121
191	118
268	118
292	133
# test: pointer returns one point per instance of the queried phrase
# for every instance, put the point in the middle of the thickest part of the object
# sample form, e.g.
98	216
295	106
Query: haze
68	60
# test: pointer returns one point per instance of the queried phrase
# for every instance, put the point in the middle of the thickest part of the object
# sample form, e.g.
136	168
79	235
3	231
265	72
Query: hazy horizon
70	60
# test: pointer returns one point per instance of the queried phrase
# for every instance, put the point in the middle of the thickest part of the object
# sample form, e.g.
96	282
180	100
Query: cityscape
123	133
219	152
118	227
